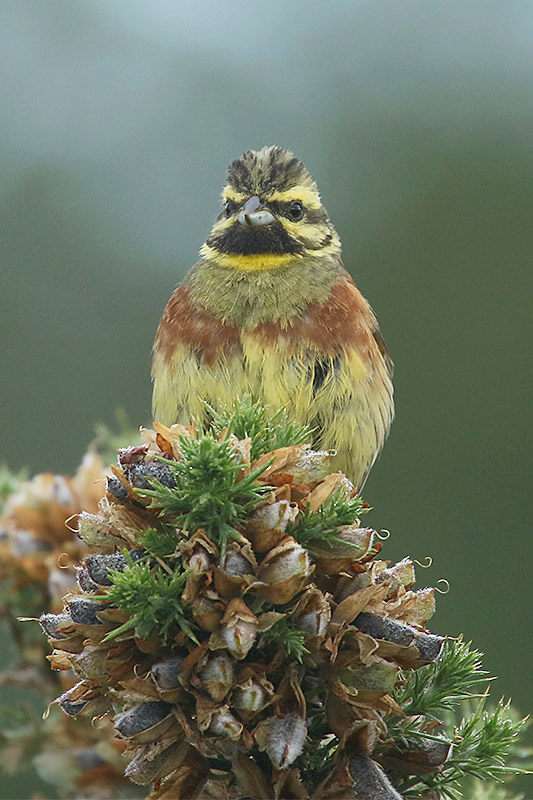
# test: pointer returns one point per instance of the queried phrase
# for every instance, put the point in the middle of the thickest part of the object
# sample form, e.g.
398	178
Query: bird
270	312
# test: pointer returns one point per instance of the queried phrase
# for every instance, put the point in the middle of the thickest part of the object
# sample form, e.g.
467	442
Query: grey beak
253	213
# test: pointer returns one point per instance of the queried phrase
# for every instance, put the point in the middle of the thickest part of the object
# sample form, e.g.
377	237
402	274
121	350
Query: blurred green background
118	120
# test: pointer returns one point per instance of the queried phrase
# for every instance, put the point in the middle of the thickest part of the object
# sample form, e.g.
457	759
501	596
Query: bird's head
271	215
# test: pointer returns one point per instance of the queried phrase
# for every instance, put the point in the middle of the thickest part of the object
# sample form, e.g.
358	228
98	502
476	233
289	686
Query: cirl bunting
269	311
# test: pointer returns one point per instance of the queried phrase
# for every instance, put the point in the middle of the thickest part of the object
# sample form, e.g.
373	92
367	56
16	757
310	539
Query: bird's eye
296	211
229	208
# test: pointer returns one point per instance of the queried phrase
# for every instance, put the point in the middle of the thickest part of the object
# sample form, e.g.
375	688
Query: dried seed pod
275	515
419	757
282	737
355	603
98	566
416	608
166	673
199	555
402	573
370	781
85	582
142	475
145	722
237	630
277	460
115	487
199	552
308	466
73	708
84	612
238	561
349	584
68	644
94	531
351	544
224	724
91	663
426	646
83	699
312	615
237	570
372	680
56	626
217	675
326	488
284	571
263	539
207	612
152	763
251	696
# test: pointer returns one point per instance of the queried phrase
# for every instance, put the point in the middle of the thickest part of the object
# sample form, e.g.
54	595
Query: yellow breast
350	406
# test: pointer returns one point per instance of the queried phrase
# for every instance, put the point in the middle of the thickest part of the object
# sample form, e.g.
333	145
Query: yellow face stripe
254	261
221	225
305	229
228	193
306	194
331	249
263	261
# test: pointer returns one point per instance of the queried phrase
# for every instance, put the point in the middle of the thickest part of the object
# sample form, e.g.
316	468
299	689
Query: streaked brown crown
271	169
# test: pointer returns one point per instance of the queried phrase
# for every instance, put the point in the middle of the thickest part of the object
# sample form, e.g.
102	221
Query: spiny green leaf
153	599
482	744
482	740
291	639
318	755
324	524
161	542
438	687
208	493
267	430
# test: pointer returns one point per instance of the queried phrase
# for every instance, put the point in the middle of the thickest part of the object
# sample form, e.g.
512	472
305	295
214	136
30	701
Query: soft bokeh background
118	119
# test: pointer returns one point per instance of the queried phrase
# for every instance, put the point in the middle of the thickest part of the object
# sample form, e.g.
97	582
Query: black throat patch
246	240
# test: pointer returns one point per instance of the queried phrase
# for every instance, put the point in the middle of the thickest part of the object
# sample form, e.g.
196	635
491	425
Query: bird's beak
253	214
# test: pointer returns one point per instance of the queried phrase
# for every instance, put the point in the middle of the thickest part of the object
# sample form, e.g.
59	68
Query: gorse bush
236	623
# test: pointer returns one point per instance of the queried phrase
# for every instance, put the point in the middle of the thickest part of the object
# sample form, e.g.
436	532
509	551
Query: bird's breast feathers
328	365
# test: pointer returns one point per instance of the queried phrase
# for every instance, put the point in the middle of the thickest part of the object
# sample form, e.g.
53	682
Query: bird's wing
382	347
